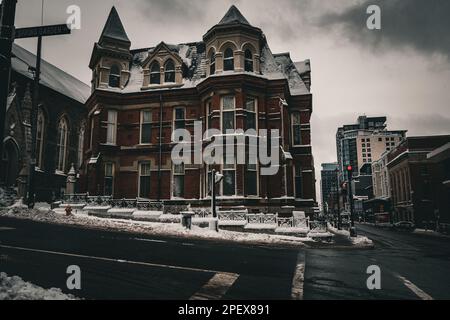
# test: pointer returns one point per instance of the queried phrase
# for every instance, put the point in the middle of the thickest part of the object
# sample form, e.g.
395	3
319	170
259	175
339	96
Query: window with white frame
111	137
179	118
169	71
228	60
61	145
155	73
40	139
114	77
229	180
146	127
212	63
81	145
178	180
251	114
248	56
109	179
144	179
296	129
228	113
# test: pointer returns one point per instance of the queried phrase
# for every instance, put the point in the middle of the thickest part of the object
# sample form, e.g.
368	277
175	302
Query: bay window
111	137
251	114
228	113
228	60
146	127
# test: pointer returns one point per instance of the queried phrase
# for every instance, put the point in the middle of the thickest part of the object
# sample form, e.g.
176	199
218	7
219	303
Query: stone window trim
61	145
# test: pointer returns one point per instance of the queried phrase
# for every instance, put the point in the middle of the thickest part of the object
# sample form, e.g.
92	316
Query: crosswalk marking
417	291
299	279
217	287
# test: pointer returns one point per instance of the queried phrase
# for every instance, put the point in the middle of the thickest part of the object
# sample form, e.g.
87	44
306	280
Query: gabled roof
233	16
51	76
114	28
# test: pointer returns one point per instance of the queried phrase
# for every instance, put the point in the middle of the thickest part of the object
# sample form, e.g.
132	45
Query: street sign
42	31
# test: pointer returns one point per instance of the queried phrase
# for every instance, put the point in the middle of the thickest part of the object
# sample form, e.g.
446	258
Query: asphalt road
118	265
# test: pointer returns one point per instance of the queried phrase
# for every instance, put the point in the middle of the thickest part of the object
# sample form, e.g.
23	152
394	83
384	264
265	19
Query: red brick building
230	80
417	180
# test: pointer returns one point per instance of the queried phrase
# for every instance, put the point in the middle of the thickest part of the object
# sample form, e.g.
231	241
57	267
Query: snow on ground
359	241
14	288
152	228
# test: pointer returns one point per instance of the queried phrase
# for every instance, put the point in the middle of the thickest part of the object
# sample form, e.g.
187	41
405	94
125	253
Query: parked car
404	226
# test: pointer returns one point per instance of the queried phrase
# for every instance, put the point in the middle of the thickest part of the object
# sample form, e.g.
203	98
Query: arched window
155	73
61	145
40	139
212	63
228	60
248	61
81	145
169	71
114	77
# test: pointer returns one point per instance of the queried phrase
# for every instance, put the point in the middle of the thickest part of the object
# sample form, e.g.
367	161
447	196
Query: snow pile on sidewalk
359	241
154	229
14	288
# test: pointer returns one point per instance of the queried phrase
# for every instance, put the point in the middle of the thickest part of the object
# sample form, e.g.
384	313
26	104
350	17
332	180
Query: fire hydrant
68	211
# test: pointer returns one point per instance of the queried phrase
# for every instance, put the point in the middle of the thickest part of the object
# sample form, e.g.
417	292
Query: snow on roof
51	76
195	62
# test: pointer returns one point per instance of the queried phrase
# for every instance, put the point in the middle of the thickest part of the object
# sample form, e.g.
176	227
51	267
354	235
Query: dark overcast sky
402	71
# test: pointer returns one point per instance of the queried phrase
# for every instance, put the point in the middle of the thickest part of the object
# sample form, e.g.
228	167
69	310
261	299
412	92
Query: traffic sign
42	31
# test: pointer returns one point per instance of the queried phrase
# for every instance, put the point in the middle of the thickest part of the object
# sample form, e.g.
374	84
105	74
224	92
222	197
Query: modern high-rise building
364	142
328	186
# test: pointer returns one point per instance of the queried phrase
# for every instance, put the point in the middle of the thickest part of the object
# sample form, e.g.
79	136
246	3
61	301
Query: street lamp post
215	179
350	194
338	200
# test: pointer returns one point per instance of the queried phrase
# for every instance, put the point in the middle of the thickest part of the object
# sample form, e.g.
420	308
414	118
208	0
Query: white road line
417	291
147	264
150	240
6	229
217	287
299	279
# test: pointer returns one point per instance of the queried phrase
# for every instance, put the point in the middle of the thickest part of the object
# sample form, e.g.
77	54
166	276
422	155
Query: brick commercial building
412	177
230	80
60	129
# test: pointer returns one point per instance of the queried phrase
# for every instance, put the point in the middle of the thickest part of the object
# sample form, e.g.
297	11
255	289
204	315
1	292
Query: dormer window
155	73
169	71
228	60
212	63
114	77
248	61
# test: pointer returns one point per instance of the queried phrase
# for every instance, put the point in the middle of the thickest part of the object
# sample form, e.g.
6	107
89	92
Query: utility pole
350	195
7	30
338	199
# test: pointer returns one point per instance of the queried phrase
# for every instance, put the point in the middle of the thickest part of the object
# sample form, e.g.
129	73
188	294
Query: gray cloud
421	25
